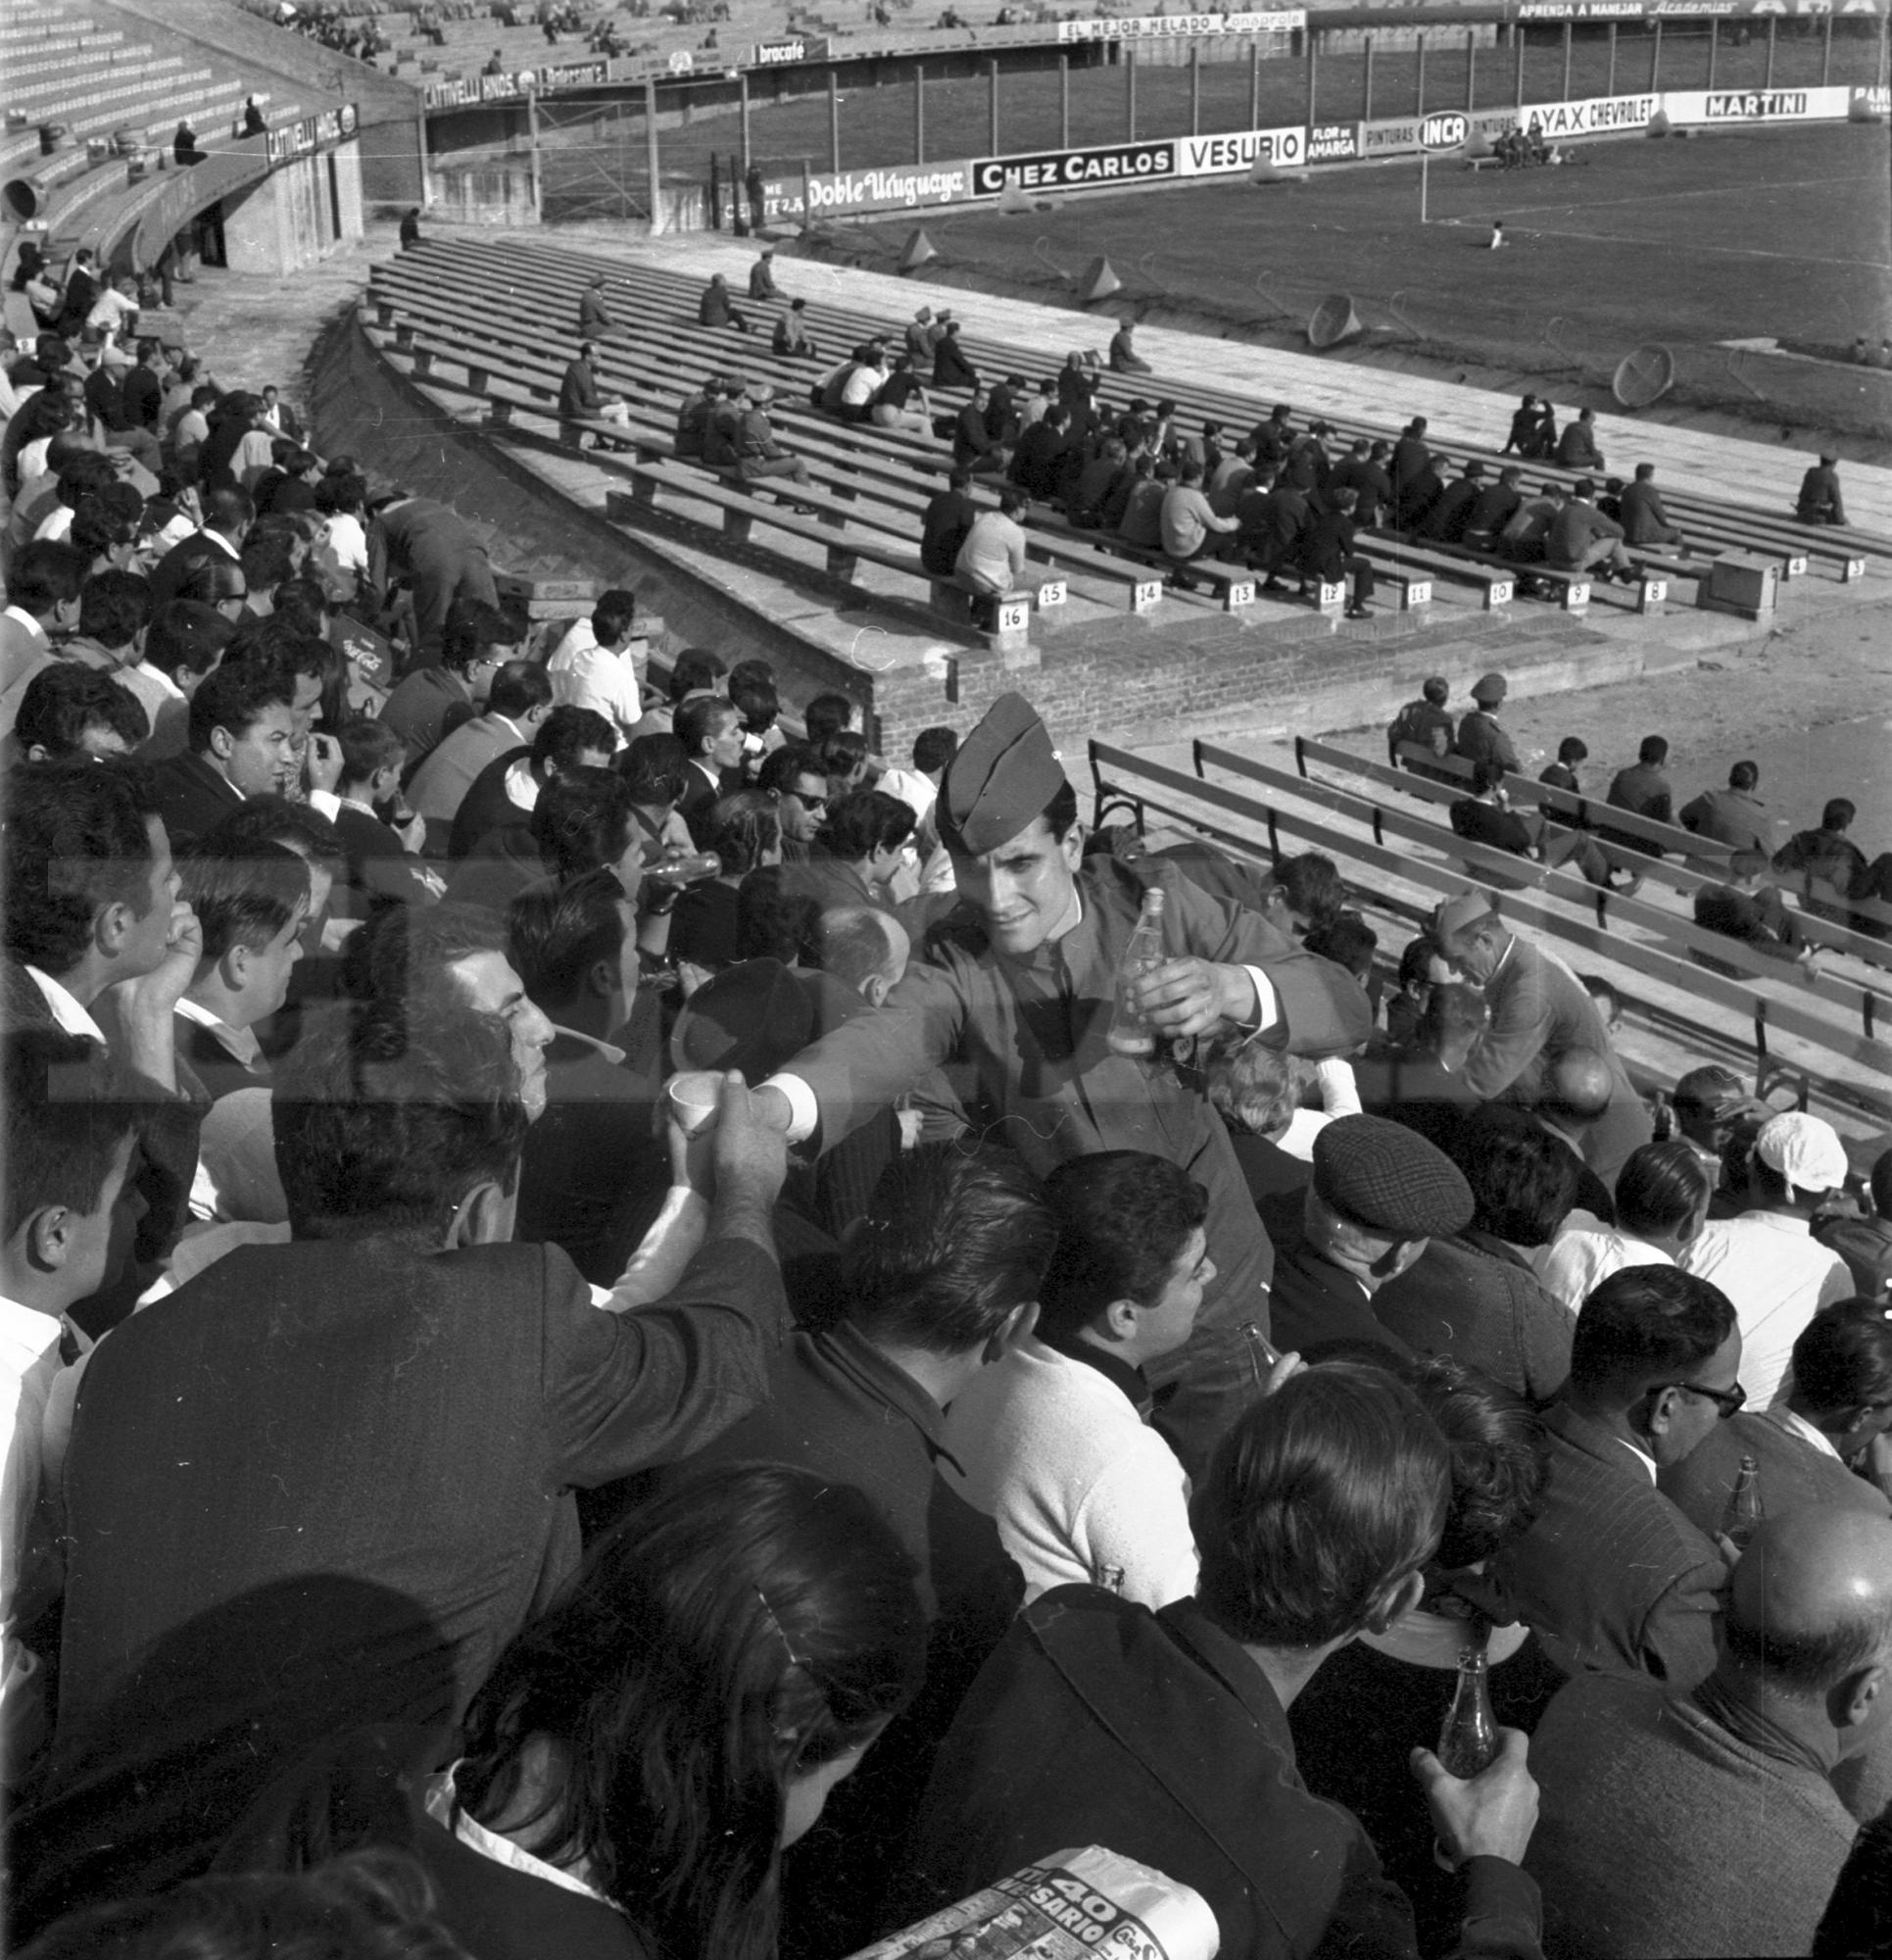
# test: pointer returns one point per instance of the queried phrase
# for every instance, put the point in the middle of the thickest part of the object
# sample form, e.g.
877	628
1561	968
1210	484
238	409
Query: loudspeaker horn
1333	320
916	252
1644	374
1659	123
1012	198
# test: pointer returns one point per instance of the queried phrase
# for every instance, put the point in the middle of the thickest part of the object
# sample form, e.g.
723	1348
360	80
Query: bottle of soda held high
1130	1031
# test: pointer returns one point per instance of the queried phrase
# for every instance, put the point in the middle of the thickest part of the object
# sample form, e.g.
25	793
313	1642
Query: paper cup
693	1096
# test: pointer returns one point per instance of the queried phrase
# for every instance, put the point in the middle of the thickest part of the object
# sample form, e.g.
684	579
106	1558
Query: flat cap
1454	914
1389	1179
1004	775
1489	689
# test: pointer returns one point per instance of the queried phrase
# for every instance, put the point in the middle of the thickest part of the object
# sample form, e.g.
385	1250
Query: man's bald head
1810	1609
1579	1084
864	949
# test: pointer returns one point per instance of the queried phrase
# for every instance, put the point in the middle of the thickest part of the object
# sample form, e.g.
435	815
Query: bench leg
736	523
843	563
423	360
476	379
950	601
500	414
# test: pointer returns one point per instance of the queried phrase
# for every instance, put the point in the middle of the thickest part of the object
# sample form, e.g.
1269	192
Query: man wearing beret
1015	991
1539	1011
1479	738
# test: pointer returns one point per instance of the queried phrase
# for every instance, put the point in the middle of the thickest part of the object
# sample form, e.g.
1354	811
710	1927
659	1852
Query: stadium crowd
632	1330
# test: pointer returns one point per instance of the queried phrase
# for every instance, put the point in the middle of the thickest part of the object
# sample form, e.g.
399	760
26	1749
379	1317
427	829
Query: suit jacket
1789	1472
418	536
24	653
1483	1307
485	808
1612	1577
425	709
325	1487
1098	1722
1311	1301
192	798
1028	1036
440	784
181	560
1540	1010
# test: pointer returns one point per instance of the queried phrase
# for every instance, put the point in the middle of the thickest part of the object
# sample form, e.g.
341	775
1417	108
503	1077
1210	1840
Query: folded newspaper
1072	1905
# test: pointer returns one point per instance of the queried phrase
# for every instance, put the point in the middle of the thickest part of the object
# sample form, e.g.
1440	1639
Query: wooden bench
1755	528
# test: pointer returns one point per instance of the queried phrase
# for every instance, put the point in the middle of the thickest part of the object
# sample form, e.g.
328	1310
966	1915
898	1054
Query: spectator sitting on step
1124	358
1819	500
1451	511
861	384
715	307
950	367
992	561
1583	539
759	457
1576	447
791	337
1524	537
762	276
1493	508
1143	518
582	400
1748	907
1038	463
1187	522
973	447
1327	557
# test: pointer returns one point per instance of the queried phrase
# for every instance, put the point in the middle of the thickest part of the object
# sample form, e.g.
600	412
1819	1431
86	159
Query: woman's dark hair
844	752
1500	1458
1524	1180
1843	1357
655	769
743	829
1124	1219
365	1905
776	922
826	714
1313	887
582	821
733	1634
956	1238
1322	1495
341	495
865	821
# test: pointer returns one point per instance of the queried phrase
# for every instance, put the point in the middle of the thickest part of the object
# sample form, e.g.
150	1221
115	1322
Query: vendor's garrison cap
1004	775
1489	689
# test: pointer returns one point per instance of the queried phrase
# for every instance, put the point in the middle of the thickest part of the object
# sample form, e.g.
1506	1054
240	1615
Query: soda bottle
1468	1740
683	867
1109	1577
1130	1031
1742	1517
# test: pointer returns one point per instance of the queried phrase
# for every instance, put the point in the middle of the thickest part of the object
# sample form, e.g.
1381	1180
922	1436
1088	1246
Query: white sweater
1058	1455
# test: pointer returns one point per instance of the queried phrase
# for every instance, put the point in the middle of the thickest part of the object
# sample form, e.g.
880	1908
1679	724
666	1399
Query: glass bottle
1742	1517
683	867
1130	1030
1109	1577
1468	1743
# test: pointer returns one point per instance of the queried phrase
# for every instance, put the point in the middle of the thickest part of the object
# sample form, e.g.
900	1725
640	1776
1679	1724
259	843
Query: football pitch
1692	242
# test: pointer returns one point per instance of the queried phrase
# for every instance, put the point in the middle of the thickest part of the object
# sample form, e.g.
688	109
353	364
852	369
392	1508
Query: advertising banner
851	191
803	48
1098	168
312	132
1655	10
1157	27
1757	105
1239	150
1333	143
470	90
1594	116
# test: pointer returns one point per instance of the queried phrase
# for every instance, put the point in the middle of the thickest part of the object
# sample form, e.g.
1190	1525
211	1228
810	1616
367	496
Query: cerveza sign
312	132
1076	170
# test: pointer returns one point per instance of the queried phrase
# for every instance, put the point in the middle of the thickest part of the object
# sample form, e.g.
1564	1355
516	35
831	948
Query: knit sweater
1058	1454
1663	1832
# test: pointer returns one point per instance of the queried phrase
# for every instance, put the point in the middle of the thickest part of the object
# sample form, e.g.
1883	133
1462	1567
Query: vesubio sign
1238	151
1098	168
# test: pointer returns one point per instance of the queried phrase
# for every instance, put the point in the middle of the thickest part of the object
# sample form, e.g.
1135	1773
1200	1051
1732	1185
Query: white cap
1805	1150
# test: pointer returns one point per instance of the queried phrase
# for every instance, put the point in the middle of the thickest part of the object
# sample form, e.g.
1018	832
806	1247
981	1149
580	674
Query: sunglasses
1728	1401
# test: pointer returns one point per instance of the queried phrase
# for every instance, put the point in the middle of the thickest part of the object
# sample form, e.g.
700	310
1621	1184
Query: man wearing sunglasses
795	776
1612	1577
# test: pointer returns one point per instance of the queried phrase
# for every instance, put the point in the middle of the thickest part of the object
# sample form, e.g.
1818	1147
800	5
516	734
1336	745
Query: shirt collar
67	1011
1798	1425
1121	1374
241	1042
1642	1456
159	679
25	1332
441	1802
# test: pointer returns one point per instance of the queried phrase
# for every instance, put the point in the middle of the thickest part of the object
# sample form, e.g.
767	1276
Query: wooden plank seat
1588	812
1772	533
491	376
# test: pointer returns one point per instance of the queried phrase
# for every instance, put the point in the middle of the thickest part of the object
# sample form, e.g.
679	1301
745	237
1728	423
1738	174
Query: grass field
1754	233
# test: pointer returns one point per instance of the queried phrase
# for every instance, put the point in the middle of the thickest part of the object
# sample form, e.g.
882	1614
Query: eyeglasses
814	805
1728	1401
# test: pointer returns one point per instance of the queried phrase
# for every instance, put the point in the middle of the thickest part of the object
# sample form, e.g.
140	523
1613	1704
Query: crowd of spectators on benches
636	1324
